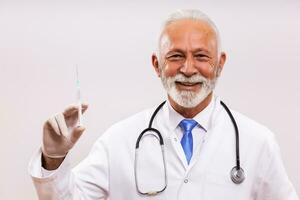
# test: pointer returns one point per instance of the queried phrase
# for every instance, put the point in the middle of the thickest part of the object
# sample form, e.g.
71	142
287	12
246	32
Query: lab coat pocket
218	186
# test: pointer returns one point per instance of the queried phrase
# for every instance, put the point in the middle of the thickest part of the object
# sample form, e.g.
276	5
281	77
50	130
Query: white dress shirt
108	170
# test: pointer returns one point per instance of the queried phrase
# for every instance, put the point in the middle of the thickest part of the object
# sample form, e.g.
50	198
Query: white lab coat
109	168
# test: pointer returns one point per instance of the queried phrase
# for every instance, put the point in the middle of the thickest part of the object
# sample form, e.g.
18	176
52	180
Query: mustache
197	78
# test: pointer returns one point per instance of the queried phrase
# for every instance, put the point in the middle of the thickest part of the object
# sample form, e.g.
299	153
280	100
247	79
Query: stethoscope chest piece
237	175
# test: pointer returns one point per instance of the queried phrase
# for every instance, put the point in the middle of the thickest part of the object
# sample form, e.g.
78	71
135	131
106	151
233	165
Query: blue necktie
187	126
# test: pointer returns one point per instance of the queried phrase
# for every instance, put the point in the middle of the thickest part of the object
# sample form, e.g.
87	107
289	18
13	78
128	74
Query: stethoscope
237	174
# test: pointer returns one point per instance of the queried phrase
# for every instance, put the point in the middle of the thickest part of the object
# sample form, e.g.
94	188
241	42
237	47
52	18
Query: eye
202	57
175	57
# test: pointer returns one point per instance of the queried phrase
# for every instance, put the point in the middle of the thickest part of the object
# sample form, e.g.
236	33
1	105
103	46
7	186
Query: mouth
188	85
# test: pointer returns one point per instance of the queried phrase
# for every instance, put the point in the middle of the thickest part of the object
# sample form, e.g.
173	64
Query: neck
190	112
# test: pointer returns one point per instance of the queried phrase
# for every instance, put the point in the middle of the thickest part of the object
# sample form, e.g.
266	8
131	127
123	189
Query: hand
61	132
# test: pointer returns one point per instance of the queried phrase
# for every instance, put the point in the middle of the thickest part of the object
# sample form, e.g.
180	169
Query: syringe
78	98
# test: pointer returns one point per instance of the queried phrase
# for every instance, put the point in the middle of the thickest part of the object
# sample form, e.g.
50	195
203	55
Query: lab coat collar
202	118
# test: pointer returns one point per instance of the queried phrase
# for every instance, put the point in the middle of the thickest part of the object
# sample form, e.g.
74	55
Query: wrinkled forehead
188	32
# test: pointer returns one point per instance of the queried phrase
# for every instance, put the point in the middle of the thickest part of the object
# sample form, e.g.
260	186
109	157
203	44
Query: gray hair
194	15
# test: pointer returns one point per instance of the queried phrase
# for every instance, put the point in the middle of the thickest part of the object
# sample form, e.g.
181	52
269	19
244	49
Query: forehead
188	33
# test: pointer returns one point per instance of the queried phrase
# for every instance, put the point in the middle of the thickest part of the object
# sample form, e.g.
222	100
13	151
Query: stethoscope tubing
237	139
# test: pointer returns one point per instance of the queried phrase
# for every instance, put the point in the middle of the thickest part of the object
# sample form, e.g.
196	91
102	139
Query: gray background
42	41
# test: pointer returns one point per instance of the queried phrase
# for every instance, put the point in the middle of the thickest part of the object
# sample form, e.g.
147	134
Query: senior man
198	133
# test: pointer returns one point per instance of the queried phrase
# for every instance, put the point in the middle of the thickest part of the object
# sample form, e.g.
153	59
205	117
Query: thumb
76	133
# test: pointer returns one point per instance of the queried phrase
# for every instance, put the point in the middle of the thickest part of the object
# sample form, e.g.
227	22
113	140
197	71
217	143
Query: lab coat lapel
173	146
177	148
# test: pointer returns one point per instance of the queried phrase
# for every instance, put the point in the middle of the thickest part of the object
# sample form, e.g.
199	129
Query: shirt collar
202	118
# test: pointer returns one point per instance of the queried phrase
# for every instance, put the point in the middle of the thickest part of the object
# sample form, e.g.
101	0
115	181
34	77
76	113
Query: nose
188	68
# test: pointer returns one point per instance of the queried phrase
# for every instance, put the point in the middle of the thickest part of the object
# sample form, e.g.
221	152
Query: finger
54	125
84	107
60	120
73	108
76	133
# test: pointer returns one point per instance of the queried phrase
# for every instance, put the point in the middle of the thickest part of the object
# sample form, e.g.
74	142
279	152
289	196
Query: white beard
188	99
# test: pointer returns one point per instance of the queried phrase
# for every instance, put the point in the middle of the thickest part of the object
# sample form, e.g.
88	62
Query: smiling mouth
188	84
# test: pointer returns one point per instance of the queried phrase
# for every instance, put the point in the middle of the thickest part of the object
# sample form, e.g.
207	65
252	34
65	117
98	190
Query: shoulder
251	132
134	120
128	127
248	123
246	126
254	131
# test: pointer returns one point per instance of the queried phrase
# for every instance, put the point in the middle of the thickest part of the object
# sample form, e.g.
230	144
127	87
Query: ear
155	64
222	61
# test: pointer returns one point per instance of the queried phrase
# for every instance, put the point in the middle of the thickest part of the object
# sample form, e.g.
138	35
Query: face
188	63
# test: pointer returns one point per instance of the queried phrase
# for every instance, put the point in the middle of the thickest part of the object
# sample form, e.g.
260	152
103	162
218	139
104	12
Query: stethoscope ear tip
237	175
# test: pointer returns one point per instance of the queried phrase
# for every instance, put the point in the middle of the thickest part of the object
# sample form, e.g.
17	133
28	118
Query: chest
208	174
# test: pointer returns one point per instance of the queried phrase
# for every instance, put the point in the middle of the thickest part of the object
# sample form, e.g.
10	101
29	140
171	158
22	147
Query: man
199	137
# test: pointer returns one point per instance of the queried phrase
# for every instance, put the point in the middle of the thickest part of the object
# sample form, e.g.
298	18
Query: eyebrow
201	50
177	50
